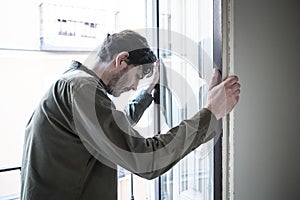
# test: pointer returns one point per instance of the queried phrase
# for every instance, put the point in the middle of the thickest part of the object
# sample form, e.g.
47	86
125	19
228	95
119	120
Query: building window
186	48
184	35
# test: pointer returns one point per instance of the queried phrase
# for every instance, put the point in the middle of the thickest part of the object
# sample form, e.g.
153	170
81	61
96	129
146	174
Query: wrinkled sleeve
109	136
136	107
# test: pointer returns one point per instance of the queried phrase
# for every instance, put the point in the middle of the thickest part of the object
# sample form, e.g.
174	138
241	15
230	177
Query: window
184	35
187	51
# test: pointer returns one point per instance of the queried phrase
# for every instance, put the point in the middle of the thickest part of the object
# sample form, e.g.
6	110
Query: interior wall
267	119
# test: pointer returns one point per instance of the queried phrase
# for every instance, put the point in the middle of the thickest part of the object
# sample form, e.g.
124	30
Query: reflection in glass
187	51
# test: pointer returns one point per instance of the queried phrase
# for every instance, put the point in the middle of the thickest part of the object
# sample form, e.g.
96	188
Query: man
76	138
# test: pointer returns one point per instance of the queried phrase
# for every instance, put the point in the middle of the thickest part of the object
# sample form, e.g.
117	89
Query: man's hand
222	98
155	78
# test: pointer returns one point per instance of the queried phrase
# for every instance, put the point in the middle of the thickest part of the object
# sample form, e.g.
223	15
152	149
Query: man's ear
121	58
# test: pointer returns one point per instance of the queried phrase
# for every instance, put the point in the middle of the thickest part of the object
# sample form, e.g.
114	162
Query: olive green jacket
76	138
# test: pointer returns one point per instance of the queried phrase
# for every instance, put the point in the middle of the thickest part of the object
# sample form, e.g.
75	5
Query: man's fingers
237	92
236	86
231	80
222	98
157	63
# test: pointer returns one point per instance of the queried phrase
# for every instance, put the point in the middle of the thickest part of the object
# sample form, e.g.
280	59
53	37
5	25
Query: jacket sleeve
136	107
108	135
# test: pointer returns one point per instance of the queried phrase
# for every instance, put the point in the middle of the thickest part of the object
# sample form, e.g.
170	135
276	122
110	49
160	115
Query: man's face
125	80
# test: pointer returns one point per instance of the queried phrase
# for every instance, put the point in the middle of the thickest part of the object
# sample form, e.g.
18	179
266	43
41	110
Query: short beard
114	81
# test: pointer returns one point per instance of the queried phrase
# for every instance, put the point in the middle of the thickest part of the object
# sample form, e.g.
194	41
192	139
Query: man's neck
102	70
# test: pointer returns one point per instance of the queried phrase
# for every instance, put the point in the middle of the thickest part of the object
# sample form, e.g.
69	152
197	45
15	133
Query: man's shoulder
78	79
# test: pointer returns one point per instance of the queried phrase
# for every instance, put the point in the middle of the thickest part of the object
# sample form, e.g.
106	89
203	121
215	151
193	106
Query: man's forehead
138	68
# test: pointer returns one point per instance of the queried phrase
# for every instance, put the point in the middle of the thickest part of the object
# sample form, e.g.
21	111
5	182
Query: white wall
267	119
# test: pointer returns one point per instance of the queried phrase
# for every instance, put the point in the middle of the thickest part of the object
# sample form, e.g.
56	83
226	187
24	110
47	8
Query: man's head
132	58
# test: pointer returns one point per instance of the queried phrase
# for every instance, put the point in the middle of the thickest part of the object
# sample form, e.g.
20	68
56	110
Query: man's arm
108	136
136	107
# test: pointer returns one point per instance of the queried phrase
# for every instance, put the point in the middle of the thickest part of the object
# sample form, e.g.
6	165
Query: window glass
140	16
185	47
186	43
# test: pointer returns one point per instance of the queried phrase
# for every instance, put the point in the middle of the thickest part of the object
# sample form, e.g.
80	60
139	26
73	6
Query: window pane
140	18
186	43
29	73
26	75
